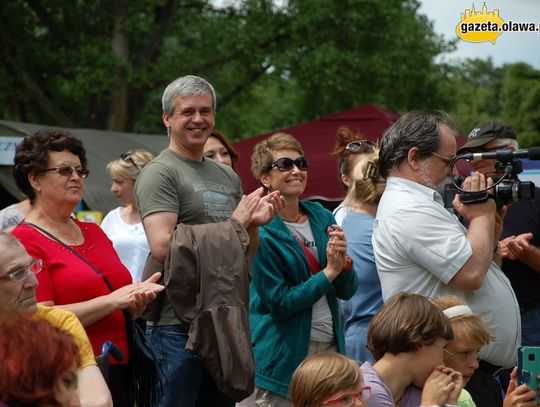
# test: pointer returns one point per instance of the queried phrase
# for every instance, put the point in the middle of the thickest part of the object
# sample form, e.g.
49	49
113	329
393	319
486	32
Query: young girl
328	379
407	338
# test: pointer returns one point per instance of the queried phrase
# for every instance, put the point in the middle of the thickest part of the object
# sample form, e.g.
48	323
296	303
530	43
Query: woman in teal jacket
299	271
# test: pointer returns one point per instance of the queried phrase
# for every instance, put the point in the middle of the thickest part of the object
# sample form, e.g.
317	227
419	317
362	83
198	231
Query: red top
66	279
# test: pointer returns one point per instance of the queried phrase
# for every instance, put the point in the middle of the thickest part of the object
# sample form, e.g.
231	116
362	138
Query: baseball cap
486	131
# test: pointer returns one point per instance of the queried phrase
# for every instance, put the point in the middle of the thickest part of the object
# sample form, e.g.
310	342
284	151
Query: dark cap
486	131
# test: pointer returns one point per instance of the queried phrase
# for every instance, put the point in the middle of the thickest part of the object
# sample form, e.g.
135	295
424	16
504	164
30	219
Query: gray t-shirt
199	192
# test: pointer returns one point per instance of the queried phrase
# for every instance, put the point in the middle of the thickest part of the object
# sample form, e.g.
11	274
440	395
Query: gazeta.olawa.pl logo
485	25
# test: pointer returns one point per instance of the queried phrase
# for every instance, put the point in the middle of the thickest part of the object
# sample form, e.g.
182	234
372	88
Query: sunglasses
360	147
286	164
67	171
127	157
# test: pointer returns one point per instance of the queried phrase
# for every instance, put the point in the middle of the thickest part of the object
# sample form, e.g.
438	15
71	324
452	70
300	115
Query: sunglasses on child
360	147
286	164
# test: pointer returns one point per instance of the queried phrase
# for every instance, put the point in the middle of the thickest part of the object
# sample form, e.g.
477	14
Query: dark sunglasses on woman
66	171
286	164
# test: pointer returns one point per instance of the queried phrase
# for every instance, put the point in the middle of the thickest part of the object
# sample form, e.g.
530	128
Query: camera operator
420	247
520	237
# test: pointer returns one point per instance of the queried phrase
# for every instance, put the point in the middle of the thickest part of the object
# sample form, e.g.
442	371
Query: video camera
506	188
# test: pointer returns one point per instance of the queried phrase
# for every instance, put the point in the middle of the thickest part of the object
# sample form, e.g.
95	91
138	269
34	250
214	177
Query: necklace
294	220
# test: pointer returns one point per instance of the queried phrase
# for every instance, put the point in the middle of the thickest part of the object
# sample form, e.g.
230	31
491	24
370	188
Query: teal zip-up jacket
282	294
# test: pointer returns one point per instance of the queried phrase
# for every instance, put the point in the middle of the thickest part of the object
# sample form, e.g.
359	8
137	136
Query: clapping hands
134	297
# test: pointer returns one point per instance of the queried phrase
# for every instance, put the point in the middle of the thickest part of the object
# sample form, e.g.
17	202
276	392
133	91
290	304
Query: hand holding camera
476	185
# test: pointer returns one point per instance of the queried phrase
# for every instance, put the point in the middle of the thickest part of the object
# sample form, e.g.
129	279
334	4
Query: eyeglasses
127	157
360	147
21	274
444	349
66	171
286	164
347	400
447	160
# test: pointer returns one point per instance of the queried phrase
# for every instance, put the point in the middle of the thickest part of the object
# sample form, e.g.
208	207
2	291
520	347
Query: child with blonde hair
328	379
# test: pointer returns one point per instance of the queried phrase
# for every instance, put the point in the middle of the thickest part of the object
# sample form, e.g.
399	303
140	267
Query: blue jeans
530	327
187	382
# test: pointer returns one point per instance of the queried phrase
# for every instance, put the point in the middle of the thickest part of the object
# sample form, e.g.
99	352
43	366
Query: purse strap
72	250
313	263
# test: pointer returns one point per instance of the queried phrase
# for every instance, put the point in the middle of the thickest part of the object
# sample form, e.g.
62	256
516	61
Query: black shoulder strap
72	251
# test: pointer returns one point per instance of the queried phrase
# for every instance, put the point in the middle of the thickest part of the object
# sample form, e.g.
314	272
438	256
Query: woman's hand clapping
336	252
135	296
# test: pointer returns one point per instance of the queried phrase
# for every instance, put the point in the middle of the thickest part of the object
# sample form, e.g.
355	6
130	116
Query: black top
523	217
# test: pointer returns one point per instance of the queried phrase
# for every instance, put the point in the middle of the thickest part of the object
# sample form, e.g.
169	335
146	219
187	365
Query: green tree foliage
510	93
104	64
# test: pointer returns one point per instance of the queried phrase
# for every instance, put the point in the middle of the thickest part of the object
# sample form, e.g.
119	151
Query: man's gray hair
185	86
8	242
414	129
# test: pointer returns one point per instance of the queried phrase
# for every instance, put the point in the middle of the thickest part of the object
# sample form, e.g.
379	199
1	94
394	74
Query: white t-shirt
340	212
129	241
322	325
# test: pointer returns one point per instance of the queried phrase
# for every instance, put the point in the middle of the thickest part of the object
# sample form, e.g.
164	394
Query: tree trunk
117	116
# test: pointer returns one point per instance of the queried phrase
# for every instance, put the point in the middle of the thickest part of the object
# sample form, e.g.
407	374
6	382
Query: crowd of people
266	299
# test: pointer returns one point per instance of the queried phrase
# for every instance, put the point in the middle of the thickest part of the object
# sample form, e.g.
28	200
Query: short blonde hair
131	165
320	376
472	325
368	186
261	159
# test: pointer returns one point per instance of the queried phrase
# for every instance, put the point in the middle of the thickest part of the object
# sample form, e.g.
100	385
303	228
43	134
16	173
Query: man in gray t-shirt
181	185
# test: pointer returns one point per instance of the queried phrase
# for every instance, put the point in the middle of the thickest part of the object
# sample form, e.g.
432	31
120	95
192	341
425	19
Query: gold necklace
295	220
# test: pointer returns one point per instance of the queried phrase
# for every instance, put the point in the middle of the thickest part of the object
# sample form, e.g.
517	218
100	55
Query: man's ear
166	119
413	158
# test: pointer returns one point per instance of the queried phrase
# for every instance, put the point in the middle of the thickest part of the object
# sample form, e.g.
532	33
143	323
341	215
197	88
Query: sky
509	47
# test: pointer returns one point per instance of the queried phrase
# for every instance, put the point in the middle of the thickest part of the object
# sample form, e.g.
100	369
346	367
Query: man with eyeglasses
520	237
181	186
18	295
421	247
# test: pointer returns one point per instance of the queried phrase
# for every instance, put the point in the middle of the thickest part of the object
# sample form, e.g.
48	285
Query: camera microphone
505	154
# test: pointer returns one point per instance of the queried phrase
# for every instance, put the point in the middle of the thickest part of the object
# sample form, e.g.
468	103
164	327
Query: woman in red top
50	167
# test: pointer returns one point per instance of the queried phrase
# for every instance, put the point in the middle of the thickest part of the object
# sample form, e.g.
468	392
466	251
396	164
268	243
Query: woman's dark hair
235	156
32	155
33	354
